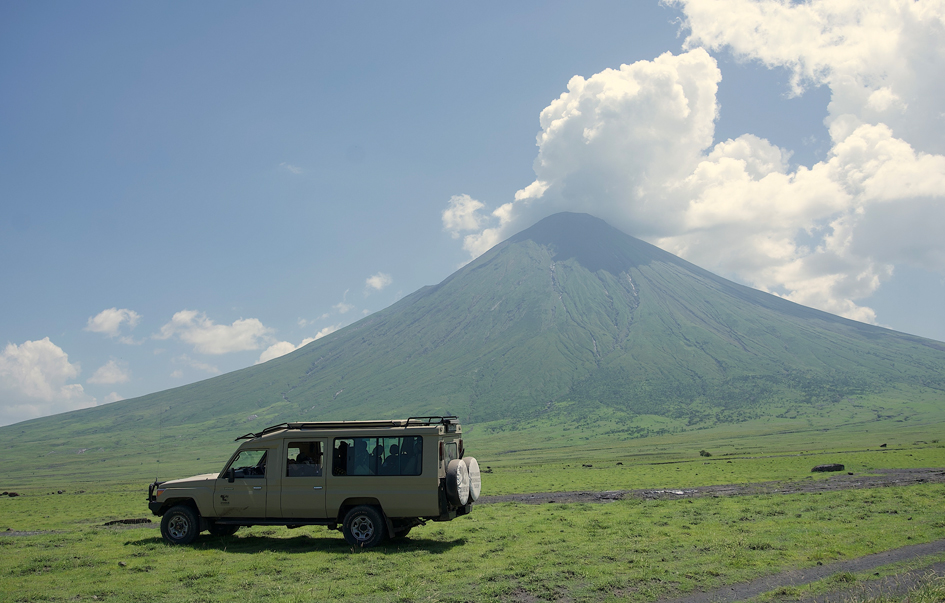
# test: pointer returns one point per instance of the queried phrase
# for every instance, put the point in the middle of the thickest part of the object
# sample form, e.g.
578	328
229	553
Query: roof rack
420	421
270	429
433	420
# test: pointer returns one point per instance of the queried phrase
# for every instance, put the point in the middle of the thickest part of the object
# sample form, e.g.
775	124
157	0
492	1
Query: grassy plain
633	550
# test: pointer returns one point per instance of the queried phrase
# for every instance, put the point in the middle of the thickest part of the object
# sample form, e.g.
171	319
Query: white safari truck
371	479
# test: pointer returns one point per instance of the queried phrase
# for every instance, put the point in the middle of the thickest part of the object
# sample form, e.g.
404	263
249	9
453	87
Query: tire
457	482
475	478
216	529
364	527
180	525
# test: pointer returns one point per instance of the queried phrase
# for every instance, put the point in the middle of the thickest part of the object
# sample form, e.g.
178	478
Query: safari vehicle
371	479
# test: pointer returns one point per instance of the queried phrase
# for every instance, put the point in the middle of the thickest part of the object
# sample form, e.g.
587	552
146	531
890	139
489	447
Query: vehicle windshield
249	463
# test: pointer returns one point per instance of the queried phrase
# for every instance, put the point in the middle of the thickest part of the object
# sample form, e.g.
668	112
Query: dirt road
880	479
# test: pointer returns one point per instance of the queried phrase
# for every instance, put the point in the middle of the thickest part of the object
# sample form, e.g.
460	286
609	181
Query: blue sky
187	190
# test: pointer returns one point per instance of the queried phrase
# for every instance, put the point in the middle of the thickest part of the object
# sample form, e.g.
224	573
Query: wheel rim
178	527
362	528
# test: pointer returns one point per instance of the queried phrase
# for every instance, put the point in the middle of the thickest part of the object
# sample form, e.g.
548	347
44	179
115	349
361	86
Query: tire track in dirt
898	584
802	577
880	478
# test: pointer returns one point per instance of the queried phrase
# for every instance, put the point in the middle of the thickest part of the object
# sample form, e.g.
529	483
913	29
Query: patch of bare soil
897	585
882	478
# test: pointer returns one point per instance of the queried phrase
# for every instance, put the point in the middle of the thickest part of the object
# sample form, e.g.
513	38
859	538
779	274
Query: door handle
317	487
257	487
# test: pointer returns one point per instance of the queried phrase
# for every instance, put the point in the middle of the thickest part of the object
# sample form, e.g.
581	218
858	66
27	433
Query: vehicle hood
190	481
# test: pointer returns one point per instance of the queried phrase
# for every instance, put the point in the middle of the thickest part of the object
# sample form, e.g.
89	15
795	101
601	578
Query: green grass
847	587
636	550
545	453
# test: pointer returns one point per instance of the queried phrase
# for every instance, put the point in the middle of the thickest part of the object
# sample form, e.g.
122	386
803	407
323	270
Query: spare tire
457	482
475	478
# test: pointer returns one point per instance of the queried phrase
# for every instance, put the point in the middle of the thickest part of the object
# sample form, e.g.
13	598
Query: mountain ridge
566	315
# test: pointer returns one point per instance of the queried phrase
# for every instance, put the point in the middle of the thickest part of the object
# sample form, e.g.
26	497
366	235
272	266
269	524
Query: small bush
705	453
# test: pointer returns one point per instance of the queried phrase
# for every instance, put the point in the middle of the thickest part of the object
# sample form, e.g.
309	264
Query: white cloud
111	320
33	382
109	373
343	307
634	146
327	331
378	281
882	59
611	143
462	215
207	337
292	169
281	349
113	397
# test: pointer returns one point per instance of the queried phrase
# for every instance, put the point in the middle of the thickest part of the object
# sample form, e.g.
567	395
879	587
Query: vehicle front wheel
180	525
217	529
364	527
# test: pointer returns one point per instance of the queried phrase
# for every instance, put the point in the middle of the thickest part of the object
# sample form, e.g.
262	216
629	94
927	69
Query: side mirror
231	475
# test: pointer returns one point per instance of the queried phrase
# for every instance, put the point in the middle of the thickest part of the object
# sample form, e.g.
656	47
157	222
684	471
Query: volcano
567	315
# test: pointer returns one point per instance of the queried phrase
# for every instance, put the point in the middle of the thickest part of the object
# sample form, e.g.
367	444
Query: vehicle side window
249	463
378	456
304	459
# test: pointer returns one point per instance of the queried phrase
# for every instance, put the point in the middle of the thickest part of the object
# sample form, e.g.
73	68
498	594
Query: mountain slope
568	315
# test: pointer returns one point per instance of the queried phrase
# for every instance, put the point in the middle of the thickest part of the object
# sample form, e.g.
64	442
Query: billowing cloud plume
111	372
634	146
207	337
110	322
882	59
33	382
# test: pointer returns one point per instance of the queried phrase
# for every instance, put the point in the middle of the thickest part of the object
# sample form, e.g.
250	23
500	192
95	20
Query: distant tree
705	453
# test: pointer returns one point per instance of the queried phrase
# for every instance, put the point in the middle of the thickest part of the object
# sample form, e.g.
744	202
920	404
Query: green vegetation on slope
570	327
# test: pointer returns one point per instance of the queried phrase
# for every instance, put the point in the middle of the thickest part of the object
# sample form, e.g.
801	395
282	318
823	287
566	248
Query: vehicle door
303	485
240	490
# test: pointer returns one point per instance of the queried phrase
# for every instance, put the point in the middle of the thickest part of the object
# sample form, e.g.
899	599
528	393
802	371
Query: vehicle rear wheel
217	529
180	525
364	527
457	482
